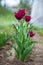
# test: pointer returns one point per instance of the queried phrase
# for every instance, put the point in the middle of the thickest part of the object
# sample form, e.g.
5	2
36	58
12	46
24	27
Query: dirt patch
36	57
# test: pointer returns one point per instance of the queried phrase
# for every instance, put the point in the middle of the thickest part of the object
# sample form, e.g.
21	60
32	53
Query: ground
36	57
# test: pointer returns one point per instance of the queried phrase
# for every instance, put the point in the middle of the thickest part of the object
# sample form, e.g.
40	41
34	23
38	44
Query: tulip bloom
31	34
27	18
20	14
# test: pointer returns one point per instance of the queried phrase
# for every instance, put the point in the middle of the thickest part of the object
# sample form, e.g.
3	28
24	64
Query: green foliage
5	34
40	31
4	10
3	38
6	17
6	28
23	43
34	27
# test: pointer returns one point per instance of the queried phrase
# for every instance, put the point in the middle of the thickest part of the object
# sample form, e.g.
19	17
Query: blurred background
9	7
14	5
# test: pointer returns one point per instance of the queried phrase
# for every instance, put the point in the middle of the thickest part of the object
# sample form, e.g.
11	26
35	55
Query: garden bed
5	59
36	57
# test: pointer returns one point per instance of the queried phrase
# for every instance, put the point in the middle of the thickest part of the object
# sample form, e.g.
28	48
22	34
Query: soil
36	57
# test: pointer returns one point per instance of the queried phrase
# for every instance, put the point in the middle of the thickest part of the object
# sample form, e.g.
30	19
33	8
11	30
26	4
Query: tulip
31	34
20	14
27	18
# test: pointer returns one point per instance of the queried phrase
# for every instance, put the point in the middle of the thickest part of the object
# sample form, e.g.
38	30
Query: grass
6	17
40	31
6	20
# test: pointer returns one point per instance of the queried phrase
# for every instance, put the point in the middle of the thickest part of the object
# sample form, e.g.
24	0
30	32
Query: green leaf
17	41
27	51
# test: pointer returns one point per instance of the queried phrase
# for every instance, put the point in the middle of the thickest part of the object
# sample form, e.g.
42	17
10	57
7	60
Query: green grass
6	17
6	34
40	31
6	29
